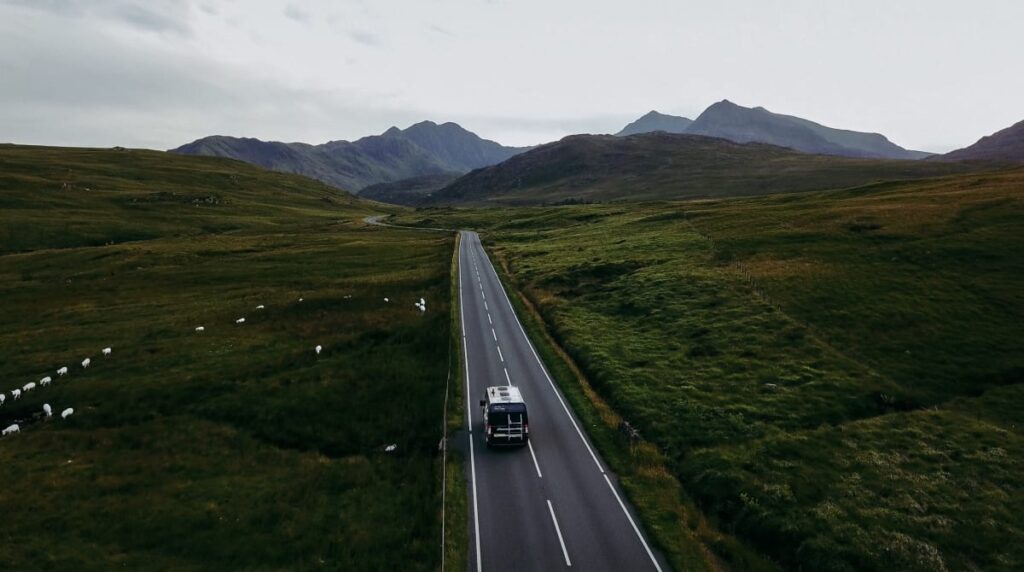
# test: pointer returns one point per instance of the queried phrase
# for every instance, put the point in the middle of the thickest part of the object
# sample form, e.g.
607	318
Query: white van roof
504	394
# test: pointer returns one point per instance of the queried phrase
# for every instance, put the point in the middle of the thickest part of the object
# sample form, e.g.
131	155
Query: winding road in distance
552	505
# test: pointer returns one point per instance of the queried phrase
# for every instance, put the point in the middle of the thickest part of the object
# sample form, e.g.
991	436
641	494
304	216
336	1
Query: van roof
504	394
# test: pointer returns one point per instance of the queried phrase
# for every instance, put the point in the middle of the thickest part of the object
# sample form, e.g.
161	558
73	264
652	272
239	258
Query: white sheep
318	349
86	362
423	302
260	307
67	413
28	387
390	448
106	351
3	397
386	300
240	321
47	410
62	371
300	299
12	429
200	329
45	381
15	394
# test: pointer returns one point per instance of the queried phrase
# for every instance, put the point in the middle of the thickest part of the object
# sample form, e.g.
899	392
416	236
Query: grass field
237	447
835	377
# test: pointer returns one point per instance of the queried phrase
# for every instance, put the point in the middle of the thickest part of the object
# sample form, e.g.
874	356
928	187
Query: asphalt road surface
551	505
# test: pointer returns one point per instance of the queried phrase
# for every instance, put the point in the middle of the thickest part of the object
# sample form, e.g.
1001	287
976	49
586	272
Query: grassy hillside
662	166
835	377
237	447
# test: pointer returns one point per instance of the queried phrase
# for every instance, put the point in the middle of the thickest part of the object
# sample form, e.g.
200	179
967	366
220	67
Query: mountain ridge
423	149
664	166
728	120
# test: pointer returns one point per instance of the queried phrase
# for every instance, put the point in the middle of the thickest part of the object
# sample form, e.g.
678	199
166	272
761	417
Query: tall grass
833	376
237	447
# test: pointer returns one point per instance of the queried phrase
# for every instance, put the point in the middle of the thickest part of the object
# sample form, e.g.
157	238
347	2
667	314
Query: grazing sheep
29	387
318	349
240	321
386	300
390	447
67	413
47	410
12	429
45	381
423	302
62	371
3	397
200	329
106	351
300	299
86	362
15	394
260	307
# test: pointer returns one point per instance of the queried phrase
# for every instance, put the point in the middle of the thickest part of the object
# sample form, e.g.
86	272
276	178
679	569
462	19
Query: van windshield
499	413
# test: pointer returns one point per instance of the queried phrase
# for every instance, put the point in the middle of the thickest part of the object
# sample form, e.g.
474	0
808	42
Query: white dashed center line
559	531
535	463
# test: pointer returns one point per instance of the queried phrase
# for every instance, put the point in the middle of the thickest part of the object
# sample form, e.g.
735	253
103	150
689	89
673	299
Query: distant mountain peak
741	124
656	121
392	131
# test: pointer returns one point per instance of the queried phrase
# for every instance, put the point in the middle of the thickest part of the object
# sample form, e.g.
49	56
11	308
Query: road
552	505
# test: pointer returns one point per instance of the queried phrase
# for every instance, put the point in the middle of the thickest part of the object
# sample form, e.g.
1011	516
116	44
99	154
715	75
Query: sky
932	75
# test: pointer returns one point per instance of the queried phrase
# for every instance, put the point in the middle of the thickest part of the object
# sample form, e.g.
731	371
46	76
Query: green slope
836	377
661	166
237	447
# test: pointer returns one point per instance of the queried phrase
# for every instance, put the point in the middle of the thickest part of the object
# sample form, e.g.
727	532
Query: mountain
654	121
1005	145
425	148
410	191
662	166
741	124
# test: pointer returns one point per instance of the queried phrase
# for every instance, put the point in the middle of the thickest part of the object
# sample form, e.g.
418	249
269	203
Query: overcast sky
931	75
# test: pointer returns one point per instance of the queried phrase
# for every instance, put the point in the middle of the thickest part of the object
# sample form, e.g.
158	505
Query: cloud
297	14
161	16
440	30
366	38
71	86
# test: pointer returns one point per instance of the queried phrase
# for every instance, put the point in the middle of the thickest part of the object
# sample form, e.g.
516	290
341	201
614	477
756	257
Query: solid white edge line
559	532
476	507
633	524
499	353
544	369
469	421
534	455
